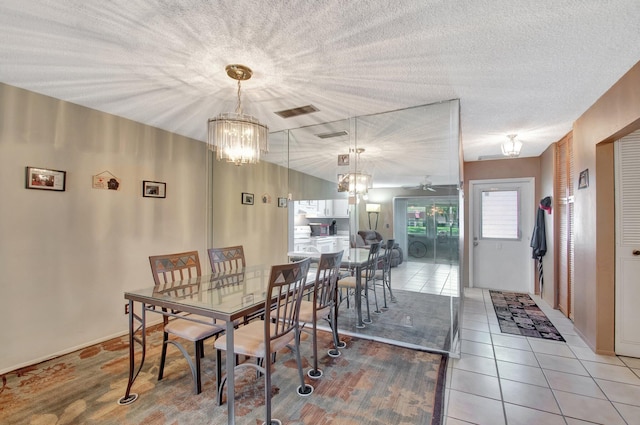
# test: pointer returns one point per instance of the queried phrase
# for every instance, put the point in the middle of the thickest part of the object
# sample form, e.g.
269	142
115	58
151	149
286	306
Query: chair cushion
191	331
347	282
248	340
306	312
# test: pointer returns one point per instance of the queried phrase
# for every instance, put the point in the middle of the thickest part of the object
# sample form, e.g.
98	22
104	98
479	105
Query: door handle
476	244
636	252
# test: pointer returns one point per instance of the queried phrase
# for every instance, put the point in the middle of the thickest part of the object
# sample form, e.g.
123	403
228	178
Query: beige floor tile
611	372
519	415
548	347
476	383
522	373
516	356
453	421
575	341
475	409
518	342
572	421
476	364
585	353
477	336
622	393
631	414
630	361
577	384
476	326
477	349
562	364
527	395
588	408
494	328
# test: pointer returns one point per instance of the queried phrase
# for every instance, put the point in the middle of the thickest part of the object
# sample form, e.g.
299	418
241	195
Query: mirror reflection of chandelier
236	137
358	182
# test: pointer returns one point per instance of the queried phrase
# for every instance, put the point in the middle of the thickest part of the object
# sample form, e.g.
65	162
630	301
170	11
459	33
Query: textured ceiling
525	67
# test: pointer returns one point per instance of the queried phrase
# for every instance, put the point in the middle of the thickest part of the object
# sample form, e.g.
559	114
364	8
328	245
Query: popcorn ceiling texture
522	67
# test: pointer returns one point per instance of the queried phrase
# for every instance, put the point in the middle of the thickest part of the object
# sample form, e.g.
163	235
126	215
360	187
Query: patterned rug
518	314
370	383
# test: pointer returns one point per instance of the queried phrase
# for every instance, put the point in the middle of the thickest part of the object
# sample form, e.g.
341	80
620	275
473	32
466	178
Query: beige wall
69	256
614	115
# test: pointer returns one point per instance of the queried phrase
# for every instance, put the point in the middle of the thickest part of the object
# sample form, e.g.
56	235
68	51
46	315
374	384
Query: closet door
564	221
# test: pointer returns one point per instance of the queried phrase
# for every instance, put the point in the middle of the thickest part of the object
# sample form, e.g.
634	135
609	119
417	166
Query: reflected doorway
427	228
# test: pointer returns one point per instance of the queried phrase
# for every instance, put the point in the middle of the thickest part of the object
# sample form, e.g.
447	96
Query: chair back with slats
173	267
226	259
286	286
372	262
326	285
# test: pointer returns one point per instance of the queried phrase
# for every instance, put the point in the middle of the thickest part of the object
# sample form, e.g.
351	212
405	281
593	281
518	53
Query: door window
500	214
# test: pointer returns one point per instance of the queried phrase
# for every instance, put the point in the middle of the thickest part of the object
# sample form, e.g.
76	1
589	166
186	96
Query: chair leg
375	295
366	297
219	381
303	389
333	324
388	282
199	349
314	373
165	338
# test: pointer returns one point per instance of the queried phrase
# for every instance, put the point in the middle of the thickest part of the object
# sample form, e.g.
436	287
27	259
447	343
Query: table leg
231	362
130	397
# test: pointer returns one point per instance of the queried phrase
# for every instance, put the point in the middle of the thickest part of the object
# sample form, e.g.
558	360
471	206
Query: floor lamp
373	209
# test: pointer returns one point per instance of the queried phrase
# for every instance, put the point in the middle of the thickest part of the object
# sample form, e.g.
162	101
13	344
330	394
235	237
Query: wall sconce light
371	210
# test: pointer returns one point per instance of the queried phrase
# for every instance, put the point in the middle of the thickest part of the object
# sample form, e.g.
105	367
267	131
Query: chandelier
358	182
236	137
511	147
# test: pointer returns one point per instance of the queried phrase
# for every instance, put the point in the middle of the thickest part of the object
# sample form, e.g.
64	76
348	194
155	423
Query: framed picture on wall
583	181
46	179
152	189
247	198
282	202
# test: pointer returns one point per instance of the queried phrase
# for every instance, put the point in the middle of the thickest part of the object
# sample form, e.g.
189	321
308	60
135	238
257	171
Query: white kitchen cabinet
339	208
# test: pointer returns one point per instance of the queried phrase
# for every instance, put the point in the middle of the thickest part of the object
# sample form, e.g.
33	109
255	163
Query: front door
627	190
502	213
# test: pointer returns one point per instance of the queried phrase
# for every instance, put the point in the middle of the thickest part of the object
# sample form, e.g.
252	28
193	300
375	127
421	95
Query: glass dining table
226	297
353	259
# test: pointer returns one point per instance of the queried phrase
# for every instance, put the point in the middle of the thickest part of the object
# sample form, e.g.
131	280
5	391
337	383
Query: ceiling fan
425	185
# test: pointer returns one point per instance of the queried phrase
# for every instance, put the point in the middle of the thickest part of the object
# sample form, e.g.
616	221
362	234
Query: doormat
518	314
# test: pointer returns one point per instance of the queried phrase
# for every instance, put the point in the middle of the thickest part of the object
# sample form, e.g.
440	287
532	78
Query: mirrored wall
393	175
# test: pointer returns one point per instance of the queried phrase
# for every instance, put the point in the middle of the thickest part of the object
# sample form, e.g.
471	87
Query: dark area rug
518	314
370	383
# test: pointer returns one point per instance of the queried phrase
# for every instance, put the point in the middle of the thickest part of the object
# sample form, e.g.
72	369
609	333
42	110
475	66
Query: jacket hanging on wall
539	237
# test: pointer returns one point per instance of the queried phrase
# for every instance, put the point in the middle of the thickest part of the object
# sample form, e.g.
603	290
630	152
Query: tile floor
514	380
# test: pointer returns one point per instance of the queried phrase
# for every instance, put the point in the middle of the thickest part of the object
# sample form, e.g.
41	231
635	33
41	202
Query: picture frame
583	180
152	189
343	159
247	198
45	179
282	202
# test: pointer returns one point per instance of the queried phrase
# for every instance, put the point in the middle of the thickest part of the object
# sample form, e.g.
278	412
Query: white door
502	214
627	334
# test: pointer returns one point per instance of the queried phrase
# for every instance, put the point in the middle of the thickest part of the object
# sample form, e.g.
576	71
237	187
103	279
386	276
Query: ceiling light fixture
236	137
357	183
511	147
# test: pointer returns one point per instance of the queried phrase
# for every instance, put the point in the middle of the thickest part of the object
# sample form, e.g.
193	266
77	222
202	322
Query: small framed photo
282	202
583	181
154	189
46	179
343	159
247	198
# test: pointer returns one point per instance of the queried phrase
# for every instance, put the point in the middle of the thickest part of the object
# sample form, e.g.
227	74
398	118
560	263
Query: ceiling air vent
330	135
294	112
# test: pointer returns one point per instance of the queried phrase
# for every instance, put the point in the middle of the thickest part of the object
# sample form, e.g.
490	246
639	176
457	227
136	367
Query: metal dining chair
366	279
323	306
167	269
226	259
383	272
279	329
